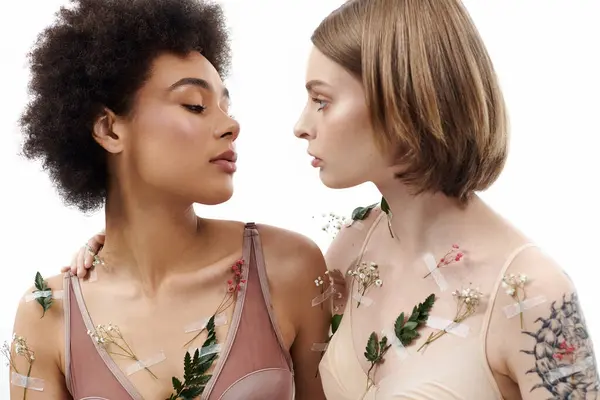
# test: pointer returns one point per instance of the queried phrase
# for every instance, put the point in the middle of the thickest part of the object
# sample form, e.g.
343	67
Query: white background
544	51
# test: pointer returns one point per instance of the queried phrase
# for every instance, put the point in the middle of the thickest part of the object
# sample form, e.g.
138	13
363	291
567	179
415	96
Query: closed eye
195	108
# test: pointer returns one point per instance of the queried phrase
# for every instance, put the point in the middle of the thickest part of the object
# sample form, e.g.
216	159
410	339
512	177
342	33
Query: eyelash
322	103
195	108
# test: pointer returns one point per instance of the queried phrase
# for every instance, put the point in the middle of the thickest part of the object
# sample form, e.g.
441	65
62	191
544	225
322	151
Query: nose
303	128
231	129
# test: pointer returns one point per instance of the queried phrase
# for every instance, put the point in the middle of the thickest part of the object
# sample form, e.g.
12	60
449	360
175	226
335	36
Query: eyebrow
197	82
310	85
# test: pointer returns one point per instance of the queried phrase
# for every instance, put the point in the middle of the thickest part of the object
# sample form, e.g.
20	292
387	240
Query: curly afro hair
98	54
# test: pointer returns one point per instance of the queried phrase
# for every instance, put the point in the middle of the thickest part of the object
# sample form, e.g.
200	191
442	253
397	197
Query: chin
212	196
333	181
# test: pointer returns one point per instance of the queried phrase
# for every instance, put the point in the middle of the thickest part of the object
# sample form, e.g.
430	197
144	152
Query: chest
136	348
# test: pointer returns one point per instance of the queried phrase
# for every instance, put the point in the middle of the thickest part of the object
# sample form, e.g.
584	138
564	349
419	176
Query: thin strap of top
256	343
494	294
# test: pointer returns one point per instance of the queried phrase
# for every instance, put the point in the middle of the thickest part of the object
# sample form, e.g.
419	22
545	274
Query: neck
147	239
421	222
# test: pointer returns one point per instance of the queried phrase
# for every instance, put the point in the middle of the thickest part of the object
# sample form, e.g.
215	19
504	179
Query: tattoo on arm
563	352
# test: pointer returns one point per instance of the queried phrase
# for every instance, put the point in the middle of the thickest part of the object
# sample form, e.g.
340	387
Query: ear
109	132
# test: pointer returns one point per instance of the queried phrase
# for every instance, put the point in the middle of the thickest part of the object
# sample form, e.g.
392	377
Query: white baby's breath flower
333	223
109	336
514	286
366	275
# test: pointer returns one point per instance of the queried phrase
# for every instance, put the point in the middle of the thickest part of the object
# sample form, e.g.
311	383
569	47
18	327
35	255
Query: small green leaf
187	364
361	213
336	320
372	349
406	330
45	302
385	207
383	342
177	385
411	325
191	393
40	284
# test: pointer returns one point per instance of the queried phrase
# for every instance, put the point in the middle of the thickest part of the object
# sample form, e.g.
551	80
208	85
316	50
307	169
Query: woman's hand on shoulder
39	342
82	259
546	348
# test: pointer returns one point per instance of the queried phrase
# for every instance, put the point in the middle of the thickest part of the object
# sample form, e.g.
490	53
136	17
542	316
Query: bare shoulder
293	261
41	305
295	254
346	247
546	346
39	328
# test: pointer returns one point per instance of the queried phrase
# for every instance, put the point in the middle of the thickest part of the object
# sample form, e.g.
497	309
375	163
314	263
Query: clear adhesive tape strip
517	308
363	300
439	279
148	362
30	383
397	345
56	294
38	294
220	320
449	326
358	225
319	347
323	296
563	372
205	351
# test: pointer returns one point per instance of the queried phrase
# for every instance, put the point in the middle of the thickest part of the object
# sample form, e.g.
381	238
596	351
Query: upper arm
43	338
312	323
553	356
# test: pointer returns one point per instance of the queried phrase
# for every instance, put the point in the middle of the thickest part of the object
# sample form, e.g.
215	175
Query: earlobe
106	132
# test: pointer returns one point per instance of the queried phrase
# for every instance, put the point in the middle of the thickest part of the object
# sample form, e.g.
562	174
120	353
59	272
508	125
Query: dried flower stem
234	285
374	352
320	283
453	256
334	223
366	275
21	349
514	285
6	352
106	335
467	302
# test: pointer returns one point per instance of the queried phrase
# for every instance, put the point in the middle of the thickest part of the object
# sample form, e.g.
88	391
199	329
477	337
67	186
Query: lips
228	155
226	161
316	161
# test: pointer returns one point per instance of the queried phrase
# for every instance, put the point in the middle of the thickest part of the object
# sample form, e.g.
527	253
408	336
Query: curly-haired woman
129	111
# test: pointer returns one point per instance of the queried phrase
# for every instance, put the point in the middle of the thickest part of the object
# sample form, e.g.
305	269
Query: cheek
169	145
350	151
348	132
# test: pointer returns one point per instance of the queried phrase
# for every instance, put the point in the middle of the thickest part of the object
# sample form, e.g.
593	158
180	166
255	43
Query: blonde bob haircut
430	87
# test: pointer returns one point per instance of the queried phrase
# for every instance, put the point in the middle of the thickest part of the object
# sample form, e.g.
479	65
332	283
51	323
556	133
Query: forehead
169	68
322	68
